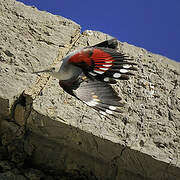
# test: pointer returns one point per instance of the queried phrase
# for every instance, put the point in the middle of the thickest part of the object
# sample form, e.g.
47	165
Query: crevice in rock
17	137
45	41
23	106
44	78
19	100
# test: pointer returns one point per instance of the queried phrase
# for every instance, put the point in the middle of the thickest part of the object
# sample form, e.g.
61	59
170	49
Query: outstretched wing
103	63
96	94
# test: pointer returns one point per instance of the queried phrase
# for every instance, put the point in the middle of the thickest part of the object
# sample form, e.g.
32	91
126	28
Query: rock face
47	134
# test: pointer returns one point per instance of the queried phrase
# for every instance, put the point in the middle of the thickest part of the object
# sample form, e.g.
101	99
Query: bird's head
53	71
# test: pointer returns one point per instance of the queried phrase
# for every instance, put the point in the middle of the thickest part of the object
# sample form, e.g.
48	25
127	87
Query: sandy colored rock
30	39
146	126
58	133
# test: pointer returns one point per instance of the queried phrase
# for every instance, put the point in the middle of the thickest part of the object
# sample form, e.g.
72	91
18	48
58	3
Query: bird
89	72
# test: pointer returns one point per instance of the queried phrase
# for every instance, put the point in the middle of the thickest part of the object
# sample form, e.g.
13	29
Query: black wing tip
110	43
113	43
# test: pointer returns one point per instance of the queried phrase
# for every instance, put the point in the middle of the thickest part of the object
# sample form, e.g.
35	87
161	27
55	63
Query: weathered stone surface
146	125
29	39
65	136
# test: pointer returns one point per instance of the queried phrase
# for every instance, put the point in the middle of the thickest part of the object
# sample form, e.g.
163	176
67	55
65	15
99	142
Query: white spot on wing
126	66
108	61
96	99
102	112
106	79
92	103
112	107
123	70
99	72
109	111
116	75
107	65
105	69
93	74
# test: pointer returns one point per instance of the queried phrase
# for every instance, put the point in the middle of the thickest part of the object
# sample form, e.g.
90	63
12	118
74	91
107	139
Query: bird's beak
43	71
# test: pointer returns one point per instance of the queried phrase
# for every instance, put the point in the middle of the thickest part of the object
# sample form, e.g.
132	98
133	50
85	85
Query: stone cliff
47	134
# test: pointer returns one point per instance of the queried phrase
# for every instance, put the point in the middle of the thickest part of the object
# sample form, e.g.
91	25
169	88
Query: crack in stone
29	95
44	78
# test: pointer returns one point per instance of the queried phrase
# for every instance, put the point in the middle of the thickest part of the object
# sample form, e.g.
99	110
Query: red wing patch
95	58
102	60
103	64
84	56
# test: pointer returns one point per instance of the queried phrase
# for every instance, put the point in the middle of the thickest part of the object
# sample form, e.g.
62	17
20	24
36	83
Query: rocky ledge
47	134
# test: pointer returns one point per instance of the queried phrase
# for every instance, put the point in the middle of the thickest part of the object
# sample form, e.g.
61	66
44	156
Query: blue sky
151	24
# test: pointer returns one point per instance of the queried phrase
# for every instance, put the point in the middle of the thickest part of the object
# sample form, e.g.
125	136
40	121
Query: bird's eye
53	69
